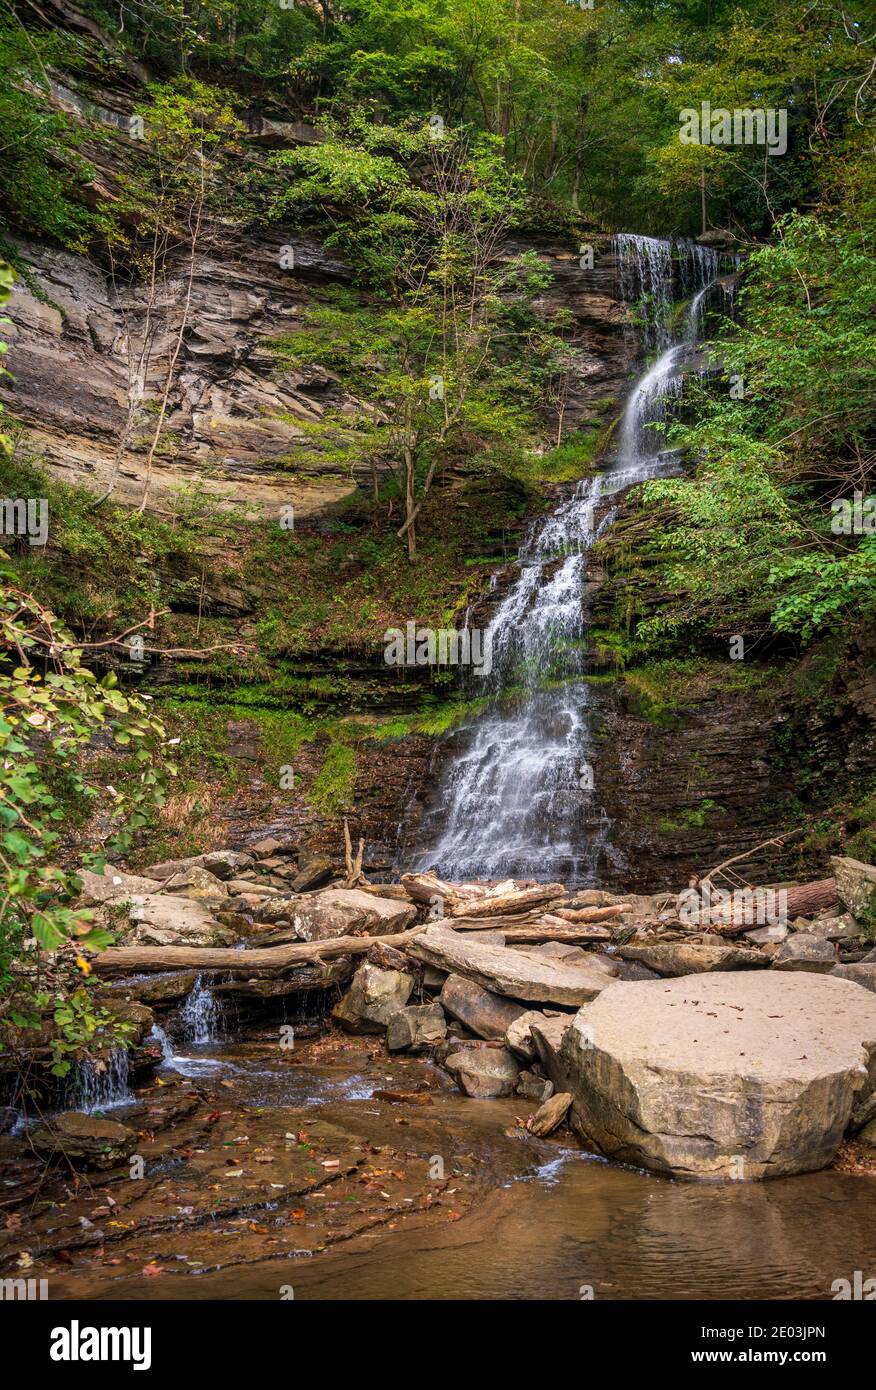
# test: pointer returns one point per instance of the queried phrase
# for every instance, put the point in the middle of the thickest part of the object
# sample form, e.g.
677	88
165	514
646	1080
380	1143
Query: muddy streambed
266	1171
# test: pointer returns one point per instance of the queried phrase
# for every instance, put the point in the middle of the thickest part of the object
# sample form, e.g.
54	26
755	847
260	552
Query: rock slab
730	1075
505	971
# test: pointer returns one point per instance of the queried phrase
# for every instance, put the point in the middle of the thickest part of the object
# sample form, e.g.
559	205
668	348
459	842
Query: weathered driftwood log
504	903
570	933
422	888
743	911
260	962
592	914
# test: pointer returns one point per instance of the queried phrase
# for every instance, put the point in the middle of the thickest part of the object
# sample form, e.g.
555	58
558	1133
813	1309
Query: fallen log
504	903
758	906
264	962
592	914
570	933
423	888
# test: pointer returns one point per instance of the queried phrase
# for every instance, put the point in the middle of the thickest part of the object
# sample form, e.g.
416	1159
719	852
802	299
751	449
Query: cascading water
100	1085
516	796
201	1015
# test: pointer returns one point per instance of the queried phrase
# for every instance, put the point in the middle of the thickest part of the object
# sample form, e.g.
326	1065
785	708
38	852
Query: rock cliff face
237	420
234	420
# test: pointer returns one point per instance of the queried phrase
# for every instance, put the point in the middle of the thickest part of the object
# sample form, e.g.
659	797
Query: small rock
533	1087
415	1027
768	936
550	1115
484	1073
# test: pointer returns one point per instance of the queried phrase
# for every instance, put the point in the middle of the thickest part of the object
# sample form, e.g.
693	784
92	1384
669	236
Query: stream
345	1137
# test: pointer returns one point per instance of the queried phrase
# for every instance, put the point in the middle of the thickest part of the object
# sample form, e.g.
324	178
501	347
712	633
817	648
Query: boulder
416	1027
268	846
863	1113
197	882
112	886
855	883
505	971
312	871
550	1114
548	1038
518	1036
484	1073
741	1075
859	974
226	863
804	952
843	928
635	970
558	950
131	1011
388	958
533	1087
168	867
692	957
222	863
768	936
167	920
237	887
85	1140
338	912
484	1013
372	999
867	1135
164	988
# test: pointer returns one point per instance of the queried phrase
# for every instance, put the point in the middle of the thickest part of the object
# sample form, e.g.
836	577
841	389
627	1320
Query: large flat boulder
112	886
693	957
506	971
748	1074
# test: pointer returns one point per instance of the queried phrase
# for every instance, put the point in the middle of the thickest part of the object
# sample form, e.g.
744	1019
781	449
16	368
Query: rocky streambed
440	1070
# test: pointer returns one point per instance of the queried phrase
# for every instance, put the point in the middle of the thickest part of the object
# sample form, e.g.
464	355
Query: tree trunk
803	900
503	903
261	961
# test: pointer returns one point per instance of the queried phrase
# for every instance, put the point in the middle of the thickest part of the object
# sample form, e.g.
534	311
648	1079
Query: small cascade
201	1015
100	1085
158	1035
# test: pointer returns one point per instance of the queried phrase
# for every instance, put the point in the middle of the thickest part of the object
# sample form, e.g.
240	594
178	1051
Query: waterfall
159	1036
201	1015
99	1085
516	794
